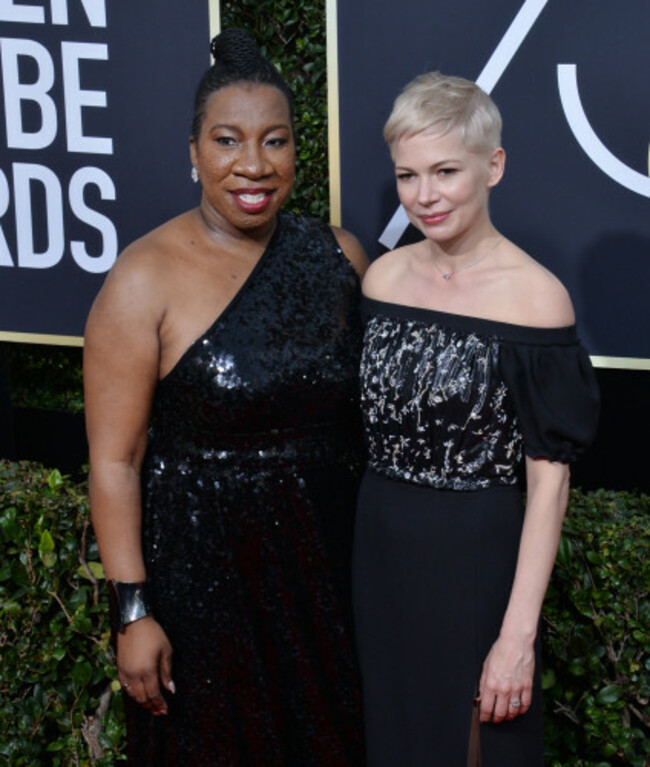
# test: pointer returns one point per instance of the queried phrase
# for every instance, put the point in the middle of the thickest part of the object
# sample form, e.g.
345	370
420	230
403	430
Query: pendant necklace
448	275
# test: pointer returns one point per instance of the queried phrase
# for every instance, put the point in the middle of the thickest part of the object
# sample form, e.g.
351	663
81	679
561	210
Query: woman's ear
497	164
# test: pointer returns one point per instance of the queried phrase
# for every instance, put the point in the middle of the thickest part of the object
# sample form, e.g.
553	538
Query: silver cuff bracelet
128	602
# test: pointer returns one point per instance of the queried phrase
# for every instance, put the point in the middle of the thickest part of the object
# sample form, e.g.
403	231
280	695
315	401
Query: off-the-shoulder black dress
249	491
450	405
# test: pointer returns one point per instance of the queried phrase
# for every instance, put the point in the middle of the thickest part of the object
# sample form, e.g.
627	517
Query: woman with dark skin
225	461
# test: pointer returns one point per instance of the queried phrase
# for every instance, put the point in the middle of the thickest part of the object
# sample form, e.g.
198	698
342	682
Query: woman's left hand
507	680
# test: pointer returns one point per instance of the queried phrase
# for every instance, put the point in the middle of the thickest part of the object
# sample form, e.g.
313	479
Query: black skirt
433	571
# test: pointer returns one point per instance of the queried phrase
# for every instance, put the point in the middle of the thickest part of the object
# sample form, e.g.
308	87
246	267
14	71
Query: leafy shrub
57	680
45	377
597	635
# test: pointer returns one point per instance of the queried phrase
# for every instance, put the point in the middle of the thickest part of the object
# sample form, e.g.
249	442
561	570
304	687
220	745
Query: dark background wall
605	255
557	201
137	69
618	459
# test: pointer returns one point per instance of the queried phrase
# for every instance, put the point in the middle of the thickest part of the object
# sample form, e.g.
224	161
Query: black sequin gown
249	488
450	405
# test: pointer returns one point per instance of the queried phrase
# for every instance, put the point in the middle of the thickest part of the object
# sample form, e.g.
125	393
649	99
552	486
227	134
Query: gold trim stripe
42	338
333	127
621	363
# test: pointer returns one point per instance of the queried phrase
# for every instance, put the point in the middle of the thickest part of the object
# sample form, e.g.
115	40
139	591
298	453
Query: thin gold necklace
449	275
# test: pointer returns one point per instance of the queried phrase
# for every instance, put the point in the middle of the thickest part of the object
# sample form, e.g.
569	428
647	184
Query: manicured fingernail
171	687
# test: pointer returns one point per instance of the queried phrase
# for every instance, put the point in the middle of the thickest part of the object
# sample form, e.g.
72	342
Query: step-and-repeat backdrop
572	81
95	102
95	114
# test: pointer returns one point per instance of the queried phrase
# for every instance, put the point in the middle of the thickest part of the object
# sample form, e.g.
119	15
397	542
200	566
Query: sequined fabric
448	399
249	486
436	411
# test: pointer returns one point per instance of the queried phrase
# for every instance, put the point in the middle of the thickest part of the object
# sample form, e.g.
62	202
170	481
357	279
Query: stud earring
194	174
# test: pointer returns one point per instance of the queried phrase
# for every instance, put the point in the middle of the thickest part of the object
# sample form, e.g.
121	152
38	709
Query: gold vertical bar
333	127
215	18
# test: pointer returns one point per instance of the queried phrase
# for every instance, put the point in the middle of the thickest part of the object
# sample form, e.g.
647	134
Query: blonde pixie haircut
441	103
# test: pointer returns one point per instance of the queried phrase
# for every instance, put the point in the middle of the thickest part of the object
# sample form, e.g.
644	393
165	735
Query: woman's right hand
144	663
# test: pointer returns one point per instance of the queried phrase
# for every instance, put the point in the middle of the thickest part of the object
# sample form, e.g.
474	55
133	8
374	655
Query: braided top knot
234	49
237	59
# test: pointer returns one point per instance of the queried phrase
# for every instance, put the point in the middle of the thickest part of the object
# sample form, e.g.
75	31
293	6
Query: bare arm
508	668
352	249
120	373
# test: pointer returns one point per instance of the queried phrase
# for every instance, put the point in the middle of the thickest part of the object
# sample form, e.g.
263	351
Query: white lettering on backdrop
40	197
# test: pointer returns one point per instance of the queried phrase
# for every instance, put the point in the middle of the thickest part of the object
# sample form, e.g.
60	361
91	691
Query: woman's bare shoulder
537	296
385	272
161	242
146	261
352	248
136	287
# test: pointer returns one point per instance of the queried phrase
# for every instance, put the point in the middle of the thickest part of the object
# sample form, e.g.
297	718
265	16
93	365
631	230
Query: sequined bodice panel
436	410
449	401
277	371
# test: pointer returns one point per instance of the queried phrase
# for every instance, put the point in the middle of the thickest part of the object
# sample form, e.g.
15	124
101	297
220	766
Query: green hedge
60	703
57	679
45	377
597	634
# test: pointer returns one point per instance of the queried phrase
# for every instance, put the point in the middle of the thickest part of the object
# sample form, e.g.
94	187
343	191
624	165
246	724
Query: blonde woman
471	365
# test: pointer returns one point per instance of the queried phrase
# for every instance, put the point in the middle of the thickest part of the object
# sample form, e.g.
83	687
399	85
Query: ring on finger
515	703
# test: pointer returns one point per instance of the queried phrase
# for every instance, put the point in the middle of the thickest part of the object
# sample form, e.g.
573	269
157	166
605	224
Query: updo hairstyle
440	103
237	59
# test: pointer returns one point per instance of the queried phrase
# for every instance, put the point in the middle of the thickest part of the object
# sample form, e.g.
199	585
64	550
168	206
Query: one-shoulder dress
249	489
450	405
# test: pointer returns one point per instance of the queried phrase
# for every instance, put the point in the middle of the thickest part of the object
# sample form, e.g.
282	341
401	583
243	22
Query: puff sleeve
555	394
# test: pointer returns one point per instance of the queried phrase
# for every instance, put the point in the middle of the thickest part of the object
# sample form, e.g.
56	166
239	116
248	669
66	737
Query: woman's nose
427	191
252	161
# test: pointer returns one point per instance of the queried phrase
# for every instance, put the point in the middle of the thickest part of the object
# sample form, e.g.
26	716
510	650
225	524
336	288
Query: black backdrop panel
573	94
95	115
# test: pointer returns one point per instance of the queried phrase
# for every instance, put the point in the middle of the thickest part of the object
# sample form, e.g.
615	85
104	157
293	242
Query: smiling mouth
253	201
435	218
